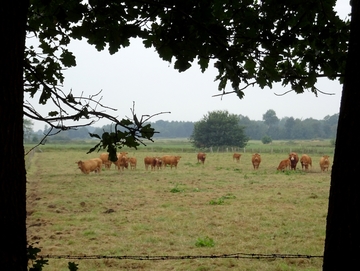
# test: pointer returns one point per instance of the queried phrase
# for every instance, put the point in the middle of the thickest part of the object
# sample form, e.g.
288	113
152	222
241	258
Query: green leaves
218	128
203	63
182	65
127	133
248	39
37	263
67	58
251	42
147	132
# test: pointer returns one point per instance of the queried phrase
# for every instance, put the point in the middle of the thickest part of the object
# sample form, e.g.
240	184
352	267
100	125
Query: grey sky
136	74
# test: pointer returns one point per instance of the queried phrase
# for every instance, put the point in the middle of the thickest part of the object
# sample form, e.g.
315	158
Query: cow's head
292	156
79	163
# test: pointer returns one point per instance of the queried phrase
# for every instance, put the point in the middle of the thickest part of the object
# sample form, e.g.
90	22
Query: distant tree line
287	128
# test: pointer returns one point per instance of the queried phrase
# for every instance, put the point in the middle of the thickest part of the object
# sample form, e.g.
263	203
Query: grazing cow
256	160
294	159
170	160
236	156
132	162
122	162
324	163
201	157
88	166
305	161
105	160
284	164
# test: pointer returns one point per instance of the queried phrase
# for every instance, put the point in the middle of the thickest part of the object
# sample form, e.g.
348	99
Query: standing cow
148	161
170	160
305	161
236	156
201	157
256	160
324	163
122	162
158	162
105	160
132	162
294	159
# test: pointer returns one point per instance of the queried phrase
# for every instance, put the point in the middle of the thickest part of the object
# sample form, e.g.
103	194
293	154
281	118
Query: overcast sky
136	74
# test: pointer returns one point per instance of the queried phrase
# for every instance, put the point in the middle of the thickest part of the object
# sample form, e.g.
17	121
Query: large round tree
219	129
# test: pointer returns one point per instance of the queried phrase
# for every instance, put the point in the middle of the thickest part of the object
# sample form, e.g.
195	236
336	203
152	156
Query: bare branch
286	92
231	92
325	93
316	91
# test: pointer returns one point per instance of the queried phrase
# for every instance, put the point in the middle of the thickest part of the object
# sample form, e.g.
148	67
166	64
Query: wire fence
253	256
271	150
298	149
28	156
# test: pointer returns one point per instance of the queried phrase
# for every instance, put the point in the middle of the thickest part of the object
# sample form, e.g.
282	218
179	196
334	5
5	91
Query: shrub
266	139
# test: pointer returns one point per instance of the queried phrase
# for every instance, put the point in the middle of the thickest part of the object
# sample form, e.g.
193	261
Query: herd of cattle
305	160
123	161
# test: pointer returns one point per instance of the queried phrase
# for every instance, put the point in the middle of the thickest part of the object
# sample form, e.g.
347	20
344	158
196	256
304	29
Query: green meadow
221	207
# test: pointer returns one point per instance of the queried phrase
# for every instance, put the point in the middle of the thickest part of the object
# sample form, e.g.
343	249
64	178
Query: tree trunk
342	243
12	170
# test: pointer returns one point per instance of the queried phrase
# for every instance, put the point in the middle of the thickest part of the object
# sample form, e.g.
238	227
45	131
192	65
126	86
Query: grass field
220	208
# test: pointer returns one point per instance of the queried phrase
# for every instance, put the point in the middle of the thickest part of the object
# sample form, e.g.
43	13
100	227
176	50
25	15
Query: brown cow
294	159
132	162
305	161
149	161
284	164
324	163
256	160
201	157
123	153
153	162
105	160
236	156
122	162
158	162
88	166
170	160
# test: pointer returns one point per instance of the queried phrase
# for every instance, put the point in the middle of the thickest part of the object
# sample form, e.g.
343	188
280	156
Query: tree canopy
218	129
270	118
289	42
252	42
